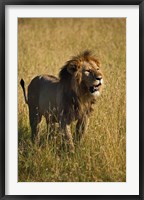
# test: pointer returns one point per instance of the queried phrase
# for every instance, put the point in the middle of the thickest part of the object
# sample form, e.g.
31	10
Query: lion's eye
87	72
98	68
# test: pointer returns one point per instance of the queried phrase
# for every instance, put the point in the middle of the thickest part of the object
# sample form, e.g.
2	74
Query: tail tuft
22	83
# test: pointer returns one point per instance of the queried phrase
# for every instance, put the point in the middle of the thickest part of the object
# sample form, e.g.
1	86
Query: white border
131	187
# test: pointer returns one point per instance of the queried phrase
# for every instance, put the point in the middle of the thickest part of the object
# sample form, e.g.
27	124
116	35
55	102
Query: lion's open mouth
94	88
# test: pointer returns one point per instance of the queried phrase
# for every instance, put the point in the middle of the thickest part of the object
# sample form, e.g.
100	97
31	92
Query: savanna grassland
44	45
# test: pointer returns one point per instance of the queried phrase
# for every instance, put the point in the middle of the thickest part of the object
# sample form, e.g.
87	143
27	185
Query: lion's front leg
81	127
67	140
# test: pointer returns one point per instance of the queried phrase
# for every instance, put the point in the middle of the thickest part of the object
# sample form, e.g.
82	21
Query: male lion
67	98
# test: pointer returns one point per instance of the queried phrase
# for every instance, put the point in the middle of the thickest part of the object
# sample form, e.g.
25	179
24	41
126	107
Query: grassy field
44	45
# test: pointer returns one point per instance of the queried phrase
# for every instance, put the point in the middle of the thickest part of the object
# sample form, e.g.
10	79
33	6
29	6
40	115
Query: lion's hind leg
35	119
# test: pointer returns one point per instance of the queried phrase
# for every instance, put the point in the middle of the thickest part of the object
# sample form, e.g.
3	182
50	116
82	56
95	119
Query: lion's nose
98	78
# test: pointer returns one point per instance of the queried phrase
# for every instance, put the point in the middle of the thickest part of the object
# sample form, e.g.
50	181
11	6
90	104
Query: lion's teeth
95	88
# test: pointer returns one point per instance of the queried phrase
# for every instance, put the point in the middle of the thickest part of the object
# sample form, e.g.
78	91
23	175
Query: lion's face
83	74
92	77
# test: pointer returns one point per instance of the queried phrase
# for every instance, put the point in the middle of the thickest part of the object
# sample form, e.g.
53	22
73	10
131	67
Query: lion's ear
68	70
72	68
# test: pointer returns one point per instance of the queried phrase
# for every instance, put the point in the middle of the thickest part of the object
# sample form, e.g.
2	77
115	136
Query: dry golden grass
43	47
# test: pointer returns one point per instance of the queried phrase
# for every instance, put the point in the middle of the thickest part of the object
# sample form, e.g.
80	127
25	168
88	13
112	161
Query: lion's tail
22	83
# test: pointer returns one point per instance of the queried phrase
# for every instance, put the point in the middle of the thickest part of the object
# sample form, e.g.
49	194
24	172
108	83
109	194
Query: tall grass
44	45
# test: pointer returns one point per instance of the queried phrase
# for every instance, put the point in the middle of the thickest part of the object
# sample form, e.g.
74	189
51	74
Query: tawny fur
67	98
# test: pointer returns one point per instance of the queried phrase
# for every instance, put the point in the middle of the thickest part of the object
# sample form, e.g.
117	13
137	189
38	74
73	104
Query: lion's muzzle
94	89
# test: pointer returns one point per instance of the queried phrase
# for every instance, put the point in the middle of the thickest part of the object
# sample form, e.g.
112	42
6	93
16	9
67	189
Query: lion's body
67	98
48	96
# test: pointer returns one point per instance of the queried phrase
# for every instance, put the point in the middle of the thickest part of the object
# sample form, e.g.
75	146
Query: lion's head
83	75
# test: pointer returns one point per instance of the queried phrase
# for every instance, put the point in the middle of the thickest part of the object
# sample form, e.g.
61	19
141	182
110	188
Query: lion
67	98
